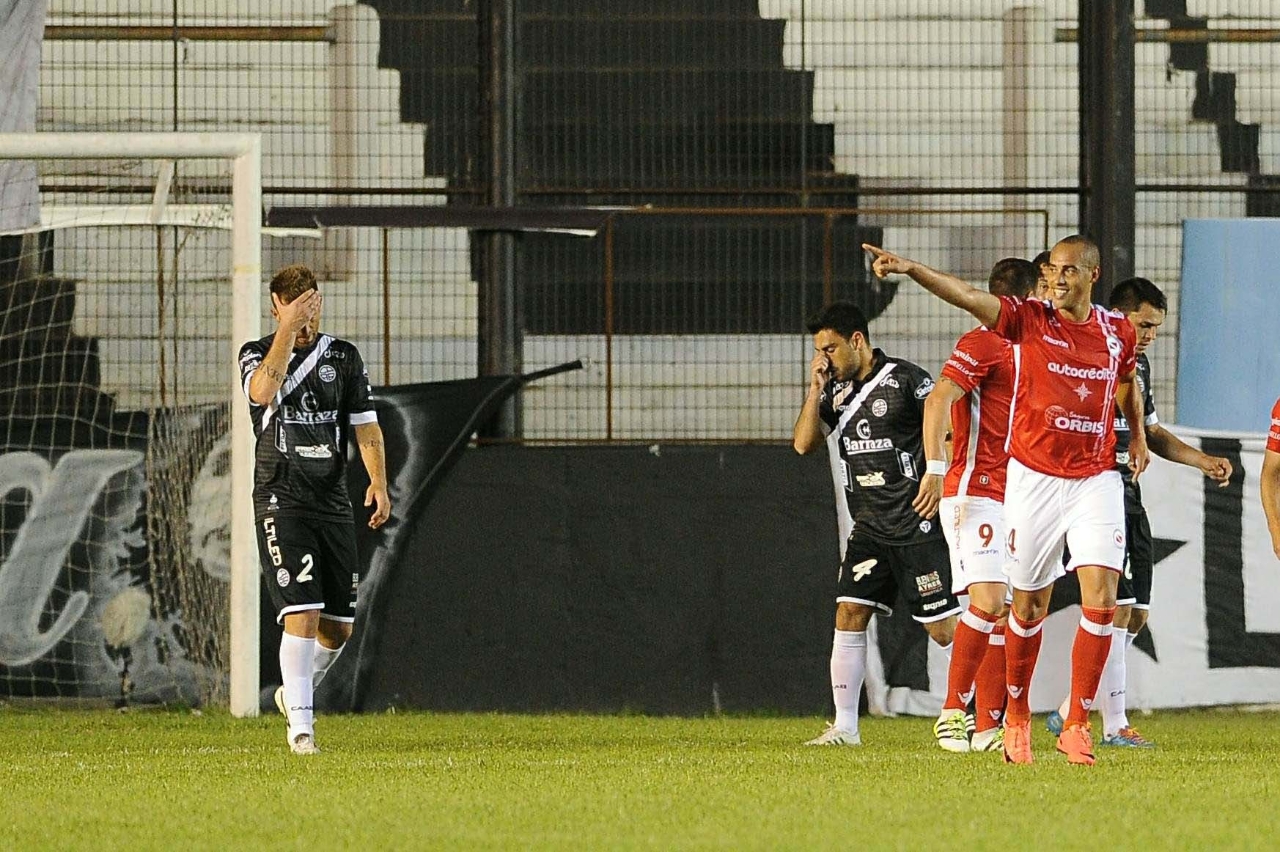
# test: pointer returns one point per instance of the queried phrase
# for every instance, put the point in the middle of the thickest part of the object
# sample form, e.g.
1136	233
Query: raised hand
295	315
886	262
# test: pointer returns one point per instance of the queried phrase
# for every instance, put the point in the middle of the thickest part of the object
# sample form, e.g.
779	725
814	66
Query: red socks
971	642
1022	647
990	698
1088	658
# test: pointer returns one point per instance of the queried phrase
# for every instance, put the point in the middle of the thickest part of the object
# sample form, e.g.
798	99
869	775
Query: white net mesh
115	365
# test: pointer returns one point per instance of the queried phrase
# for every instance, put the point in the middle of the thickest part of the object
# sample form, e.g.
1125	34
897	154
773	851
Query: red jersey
1273	437
982	366
1065	392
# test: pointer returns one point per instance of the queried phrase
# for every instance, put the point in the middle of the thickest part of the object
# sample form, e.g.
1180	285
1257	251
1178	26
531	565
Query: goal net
129	275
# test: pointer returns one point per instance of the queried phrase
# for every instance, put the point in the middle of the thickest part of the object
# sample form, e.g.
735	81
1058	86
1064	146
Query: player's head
1012	276
1042	276
840	332
288	284
1145	306
1073	269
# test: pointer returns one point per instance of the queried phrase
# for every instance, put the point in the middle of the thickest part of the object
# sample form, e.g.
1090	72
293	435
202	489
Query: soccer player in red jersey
972	397
1271	479
1074	362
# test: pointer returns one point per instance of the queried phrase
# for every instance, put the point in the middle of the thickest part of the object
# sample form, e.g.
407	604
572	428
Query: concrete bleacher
896	92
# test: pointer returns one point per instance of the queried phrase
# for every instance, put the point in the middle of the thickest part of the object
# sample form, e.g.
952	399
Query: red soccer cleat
1017	743
1077	744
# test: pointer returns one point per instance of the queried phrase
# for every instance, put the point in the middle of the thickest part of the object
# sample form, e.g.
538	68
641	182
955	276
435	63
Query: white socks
848	668
1111	689
297	664
324	659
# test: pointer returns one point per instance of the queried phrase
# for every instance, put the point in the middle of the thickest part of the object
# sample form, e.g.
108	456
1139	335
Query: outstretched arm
1271	496
984	306
1169	446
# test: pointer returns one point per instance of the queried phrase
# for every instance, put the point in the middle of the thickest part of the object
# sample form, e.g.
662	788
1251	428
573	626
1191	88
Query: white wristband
935	467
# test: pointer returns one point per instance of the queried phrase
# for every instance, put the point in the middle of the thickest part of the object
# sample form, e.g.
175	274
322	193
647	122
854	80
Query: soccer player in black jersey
872	406
308	393
1145	305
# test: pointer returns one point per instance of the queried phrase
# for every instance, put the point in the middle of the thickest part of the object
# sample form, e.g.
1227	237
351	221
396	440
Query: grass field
174	780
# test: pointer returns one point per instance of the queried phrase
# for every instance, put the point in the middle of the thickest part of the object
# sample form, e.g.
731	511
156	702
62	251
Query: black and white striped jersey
300	466
875	435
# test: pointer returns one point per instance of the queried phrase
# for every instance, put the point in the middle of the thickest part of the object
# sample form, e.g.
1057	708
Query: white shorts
1043	513
974	527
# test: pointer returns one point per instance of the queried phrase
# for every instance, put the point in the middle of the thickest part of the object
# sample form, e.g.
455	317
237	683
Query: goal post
243	150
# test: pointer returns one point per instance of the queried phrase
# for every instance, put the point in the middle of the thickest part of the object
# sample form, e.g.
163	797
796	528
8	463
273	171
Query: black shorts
1139	562
309	563
873	573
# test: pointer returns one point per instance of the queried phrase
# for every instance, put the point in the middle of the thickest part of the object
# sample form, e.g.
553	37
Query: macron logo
1055	341
1015	691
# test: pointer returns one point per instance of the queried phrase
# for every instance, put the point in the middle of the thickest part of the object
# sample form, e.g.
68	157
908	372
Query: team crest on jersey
282	577
1114	346
879	407
327	373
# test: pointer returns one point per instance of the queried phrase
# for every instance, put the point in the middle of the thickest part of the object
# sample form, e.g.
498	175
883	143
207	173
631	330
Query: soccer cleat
279	696
834	736
1017	743
952	731
992	739
304	744
1127	737
1054	723
1077	744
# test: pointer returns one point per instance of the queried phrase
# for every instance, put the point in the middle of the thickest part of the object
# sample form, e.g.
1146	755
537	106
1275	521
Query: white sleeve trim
1152	419
248	379
363	417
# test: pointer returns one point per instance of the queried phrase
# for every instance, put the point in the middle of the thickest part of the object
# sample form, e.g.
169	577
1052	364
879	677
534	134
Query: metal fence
789	126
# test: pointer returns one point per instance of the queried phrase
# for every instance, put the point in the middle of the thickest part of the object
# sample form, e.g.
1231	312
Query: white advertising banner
1214	631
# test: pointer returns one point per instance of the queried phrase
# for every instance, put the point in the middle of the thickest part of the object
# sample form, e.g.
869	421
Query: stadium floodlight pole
245	152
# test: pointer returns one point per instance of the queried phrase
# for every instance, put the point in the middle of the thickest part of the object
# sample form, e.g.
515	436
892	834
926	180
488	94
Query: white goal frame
245	152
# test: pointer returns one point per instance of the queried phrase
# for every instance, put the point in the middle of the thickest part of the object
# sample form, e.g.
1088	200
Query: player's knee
1137	621
942	632
1123	617
333	634
304	624
1030	608
852	617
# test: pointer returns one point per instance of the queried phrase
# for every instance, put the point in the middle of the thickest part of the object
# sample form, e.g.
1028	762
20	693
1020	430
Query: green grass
171	780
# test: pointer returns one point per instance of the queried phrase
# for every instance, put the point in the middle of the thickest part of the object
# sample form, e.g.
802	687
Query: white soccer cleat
952	731
304	744
280	702
991	739
834	736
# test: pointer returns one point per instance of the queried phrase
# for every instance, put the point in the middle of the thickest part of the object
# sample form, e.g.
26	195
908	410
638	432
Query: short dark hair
1013	276
1092	255
1132	293
844	318
1041	259
292	281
